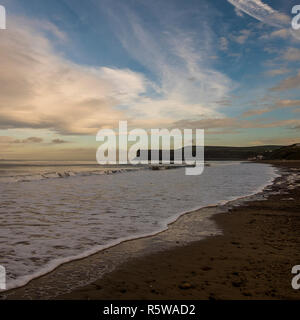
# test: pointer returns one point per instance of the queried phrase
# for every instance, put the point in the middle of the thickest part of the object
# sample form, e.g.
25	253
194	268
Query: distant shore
247	253
251	260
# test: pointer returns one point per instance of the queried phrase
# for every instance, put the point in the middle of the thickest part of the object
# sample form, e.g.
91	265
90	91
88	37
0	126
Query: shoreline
252	259
163	226
212	232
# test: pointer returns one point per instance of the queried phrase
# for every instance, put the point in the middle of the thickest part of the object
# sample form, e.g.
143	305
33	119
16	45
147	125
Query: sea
59	211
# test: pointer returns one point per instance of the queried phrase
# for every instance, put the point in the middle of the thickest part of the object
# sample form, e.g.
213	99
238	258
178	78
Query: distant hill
226	153
237	153
285	153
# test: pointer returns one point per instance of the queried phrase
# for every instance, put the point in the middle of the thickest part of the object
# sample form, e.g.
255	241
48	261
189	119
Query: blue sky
73	67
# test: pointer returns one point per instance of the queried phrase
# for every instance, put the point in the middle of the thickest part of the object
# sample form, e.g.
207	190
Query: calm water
51	213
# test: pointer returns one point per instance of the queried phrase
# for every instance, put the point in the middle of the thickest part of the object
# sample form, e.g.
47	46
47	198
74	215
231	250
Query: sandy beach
251	260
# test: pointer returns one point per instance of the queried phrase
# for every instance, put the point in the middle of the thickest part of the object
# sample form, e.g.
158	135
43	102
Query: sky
70	68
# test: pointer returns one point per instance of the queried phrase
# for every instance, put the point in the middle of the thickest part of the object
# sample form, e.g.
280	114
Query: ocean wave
81	173
61	174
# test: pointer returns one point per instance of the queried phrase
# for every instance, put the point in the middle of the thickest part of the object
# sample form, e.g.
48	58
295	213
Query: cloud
280	104
290	124
45	26
255	112
276	141
6	140
58	141
287	103
277	72
238	12
288	83
41	89
262	12
224	102
242	37
235	123
187	84
223	44
10	140
50	27
292	54
282	33
32	140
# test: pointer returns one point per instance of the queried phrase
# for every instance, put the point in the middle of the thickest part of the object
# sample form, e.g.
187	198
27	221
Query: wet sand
252	259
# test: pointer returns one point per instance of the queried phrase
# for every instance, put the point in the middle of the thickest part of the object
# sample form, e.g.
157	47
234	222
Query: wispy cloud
186	83
223	44
58	141
291	54
281	33
236	123
276	141
262	12
242	36
277	72
11	140
238	12
288	83
280	104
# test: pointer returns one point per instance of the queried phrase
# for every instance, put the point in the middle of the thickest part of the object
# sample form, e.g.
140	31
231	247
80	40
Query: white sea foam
60	174
45	223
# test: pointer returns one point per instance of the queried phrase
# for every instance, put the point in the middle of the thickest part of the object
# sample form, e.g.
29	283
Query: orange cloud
40	89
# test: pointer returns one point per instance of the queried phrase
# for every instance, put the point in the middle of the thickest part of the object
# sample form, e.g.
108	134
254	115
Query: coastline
160	225
181	234
252	259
